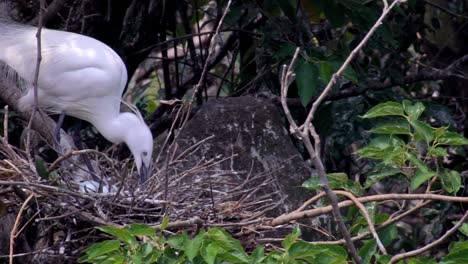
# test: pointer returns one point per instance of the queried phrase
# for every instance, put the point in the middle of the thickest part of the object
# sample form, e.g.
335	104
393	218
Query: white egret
79	76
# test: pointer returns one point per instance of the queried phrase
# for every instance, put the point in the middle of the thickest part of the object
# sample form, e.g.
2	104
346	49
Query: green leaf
420	260
421	177
348	73
368	250
164	223
385	109
291	238
379	174
452	138
99	249
41	168
423	131
209	253
301	252
371	152
413	111
325	71
395	129
464	229
120	233
451	180
192	247
385	141
178	241
258	254
335	181
140	230
437	152
458	254
306	80
304	250
417	162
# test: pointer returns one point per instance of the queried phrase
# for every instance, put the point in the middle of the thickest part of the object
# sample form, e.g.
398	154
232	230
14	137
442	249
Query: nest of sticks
47	209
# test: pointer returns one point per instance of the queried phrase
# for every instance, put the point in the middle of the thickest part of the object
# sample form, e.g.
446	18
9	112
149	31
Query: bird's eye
145	153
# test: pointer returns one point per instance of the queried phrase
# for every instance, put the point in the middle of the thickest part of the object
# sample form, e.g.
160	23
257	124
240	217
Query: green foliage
409	146
212	246
335	181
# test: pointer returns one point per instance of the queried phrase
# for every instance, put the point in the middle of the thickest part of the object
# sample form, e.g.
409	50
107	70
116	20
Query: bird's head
140	142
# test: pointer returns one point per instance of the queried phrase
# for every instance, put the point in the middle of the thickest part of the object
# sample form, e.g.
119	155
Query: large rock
252	130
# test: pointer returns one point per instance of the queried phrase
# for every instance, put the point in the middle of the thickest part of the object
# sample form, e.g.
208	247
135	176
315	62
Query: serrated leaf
368	250
101	248
451	180
457	254
415	161
393	129
452	138
421	177
437	152
371	152
380	174
140	230
385	109
307	80
291	238
335	181
413	111
120	233
192	247
423	131
464	229
209	253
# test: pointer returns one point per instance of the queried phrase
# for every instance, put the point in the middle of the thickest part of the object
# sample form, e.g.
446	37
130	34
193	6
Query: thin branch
365	213
373	198
343	67
416	252
14	234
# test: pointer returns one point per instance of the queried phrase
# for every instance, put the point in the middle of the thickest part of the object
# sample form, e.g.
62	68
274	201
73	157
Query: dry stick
36	77
353	54
283	219
211	49
307	127
5	125
365	213
361	208
441	239
287	76
13	233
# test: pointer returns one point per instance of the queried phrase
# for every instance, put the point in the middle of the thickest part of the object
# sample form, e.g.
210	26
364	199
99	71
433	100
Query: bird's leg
57	132
79	144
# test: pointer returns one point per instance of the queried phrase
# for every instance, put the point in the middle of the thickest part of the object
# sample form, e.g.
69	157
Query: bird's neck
113	129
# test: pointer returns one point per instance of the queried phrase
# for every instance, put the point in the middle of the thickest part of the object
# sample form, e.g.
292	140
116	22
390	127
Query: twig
211	49
181	224
381	226
416	252
36	76
364	212
5	125
13	233
373	198
307	130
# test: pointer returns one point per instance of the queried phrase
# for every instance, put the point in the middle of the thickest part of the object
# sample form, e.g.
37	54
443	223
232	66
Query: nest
55	213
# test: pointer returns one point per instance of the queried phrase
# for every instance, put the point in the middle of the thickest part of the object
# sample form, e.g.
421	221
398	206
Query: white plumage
78	75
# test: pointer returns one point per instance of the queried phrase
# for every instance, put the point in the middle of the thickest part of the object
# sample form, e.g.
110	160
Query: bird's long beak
145	172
